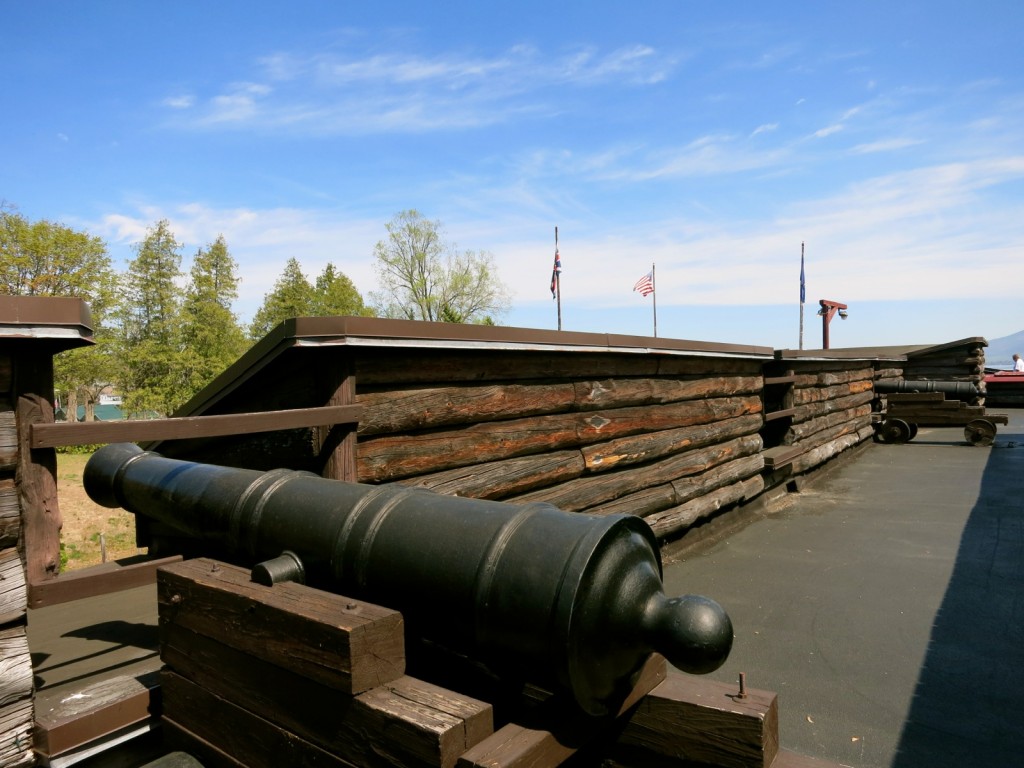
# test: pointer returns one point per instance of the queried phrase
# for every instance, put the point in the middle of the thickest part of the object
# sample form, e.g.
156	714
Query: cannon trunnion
572	602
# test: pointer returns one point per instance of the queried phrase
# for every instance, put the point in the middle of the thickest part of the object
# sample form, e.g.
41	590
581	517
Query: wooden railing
116	576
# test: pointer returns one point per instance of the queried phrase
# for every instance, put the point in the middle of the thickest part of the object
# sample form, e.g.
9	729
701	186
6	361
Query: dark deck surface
885	604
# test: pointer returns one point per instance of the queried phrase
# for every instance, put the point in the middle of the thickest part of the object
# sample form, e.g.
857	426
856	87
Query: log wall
824	408
668	438
962	360
16	710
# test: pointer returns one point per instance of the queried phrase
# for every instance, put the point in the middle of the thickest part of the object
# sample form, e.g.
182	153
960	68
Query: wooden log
802	431
655	499
831	378
389	457
344	643
695	721
671	522
37	471
619	393
383	366
499	479
950	359
823	453
16	735
687	488
10	513
943	372
13	590
816	410
556	731
801	367
640	503
391	411
973	378
8	441
675	365
637	449
336	441
834	433
15	664
818	394
591	490
888	373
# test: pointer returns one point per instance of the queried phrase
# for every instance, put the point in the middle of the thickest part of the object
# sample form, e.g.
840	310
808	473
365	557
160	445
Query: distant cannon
910	404
960	390
572	602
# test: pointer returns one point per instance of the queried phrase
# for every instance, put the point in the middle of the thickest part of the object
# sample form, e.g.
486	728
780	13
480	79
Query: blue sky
710	139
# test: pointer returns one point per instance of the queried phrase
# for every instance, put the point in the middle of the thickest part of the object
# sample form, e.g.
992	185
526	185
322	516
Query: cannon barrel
961	390
570	601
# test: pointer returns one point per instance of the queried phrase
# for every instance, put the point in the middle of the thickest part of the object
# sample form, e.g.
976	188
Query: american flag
555	272
645	284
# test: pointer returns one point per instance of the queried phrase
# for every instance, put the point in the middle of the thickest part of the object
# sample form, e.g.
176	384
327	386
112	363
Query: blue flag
803	292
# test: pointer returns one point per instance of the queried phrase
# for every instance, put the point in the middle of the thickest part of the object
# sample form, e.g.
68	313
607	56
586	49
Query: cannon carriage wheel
897	431
980	432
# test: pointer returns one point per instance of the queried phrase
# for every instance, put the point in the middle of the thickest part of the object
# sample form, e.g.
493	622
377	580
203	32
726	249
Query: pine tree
149	333
335	294
211	337
292	297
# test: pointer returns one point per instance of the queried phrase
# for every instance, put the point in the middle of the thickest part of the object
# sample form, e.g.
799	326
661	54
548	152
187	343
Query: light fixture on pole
828	311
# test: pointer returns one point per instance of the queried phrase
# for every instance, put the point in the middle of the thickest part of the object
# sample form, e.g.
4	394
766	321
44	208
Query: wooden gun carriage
913	404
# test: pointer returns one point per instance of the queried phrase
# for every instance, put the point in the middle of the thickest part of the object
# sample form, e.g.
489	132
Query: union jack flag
555	272
645	284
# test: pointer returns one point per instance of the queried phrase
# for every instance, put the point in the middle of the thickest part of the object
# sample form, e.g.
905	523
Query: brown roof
62	322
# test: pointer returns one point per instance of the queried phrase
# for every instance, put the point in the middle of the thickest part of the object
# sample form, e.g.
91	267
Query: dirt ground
88	526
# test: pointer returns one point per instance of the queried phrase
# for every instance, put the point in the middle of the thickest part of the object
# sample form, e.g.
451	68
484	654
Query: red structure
827	312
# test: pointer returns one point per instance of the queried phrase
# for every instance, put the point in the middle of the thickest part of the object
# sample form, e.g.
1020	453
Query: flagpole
558	284
654	304
802	295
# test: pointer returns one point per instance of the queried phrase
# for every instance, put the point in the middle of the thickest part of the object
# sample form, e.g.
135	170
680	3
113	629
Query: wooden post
338	441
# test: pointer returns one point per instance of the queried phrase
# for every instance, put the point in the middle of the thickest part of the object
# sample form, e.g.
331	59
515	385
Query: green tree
292	297
149	332
45	258
211	337
422	277
335	294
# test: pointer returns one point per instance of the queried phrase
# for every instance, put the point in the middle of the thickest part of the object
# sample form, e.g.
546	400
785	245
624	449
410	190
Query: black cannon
960	390
571	602
910	404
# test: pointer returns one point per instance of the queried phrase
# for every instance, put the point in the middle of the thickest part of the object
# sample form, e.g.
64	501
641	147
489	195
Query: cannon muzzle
572	602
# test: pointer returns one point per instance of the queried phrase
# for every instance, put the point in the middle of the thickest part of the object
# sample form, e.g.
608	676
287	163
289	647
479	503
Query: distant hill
999	353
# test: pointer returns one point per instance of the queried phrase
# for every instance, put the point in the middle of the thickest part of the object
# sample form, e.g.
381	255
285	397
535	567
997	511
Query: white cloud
884	145
828	130
181	101
765	128
331	93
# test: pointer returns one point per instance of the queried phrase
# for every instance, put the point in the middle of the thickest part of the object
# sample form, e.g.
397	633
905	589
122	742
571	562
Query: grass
86	523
